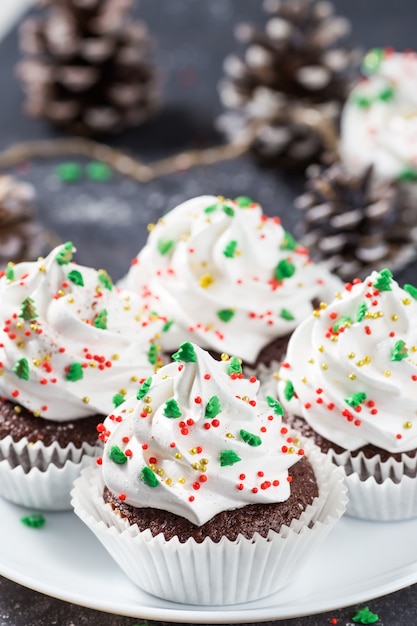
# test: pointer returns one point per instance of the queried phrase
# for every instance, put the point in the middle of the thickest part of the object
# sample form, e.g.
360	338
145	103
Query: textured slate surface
107	221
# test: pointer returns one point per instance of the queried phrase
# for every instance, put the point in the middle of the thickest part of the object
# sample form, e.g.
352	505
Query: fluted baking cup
210	573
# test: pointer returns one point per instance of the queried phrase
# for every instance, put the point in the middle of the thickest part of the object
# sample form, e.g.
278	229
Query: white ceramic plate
357	562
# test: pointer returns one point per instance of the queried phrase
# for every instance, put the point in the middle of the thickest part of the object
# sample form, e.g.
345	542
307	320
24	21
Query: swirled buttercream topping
71	343
351	369
379	119
227	276
196	441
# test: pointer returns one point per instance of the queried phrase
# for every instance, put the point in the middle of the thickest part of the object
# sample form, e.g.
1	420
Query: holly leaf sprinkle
64	256
410	289
76	277
105	279
362	101
399	351
383	282
9	272
21	369
361	311
144	388
372	60
289	390
275	405
211	208
355	399
35	520
171	409
228	210
286	315
284	269
153	353
165	245
117	455
28	310
230	249
118	399
344	321
167	326
387	94
185	353
235	366
243	201
148	477
225	315
101	320
75	372
288	242
213	407
250	438
228	457
365	616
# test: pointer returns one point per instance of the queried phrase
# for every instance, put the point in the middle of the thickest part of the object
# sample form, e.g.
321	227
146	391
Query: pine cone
86	67
354	225
21	237
291	82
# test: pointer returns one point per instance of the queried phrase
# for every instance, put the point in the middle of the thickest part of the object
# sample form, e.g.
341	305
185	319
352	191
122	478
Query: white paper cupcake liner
379	491
209	573
47	490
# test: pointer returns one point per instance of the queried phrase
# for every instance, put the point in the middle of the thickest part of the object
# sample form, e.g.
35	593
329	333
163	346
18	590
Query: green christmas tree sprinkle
411	290
286	315
9	272
117	455
243	201
211	208
101	320
361	311
75	372
387	94
144	388
228	457
64	256
118	399
21	369
250	438
69	172
34	520
172	409
225	315
213	407
185	353
28	310
355	399
383	282
165	245
289	390
372	60
105	279
408	174
275	405
230	249
399	351
76	277
153	353
344	321
235	366
284	269
98	171
362	101
288	242
167	326
148	477
228	210
365	616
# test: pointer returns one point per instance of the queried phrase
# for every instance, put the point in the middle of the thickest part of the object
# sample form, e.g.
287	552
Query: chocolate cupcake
349	382
199	479
72	346
228	278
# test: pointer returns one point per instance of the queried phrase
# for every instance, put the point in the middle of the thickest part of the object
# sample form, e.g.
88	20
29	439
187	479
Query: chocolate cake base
18	422
247	520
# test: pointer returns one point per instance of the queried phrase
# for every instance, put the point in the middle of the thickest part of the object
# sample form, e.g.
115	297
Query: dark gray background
107	221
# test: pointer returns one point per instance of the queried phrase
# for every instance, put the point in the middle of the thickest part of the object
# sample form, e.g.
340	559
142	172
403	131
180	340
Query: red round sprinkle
198	400
207	426
190	422
260	473
145	446
122	497
215	423
240	486
252	379
203	478
191	499
242	476
152	460
275	483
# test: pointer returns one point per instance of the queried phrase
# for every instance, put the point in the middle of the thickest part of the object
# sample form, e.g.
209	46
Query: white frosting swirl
197	442
229	277
353	367
70	340
379	119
